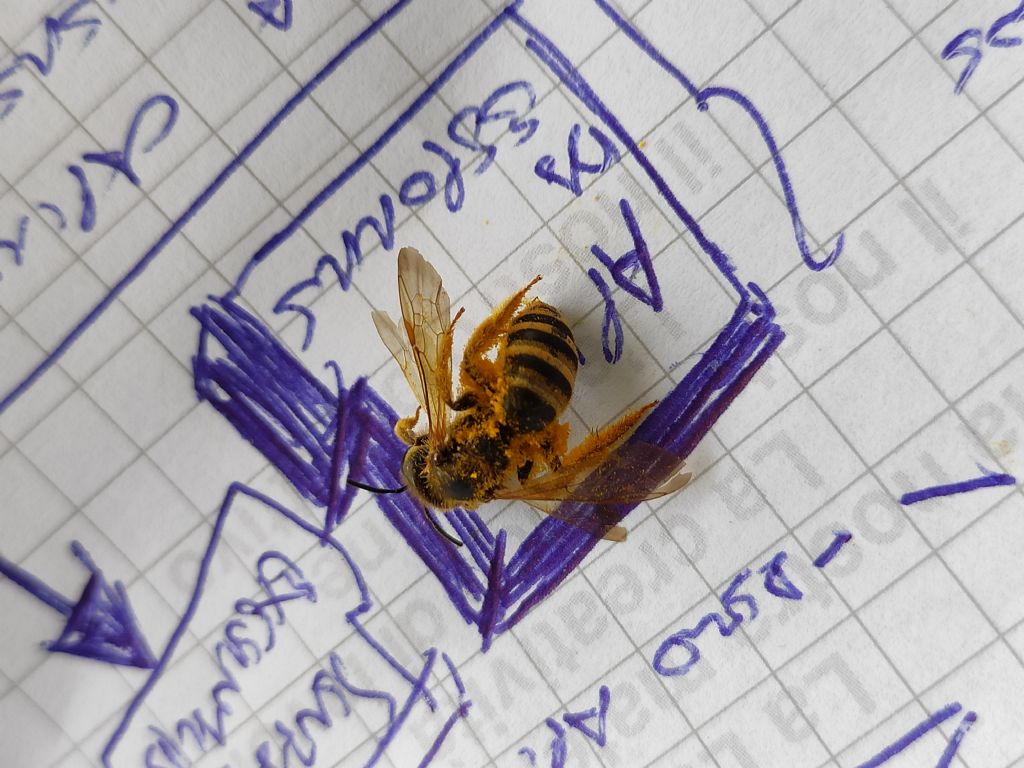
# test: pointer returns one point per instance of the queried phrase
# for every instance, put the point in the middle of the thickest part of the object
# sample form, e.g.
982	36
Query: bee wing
615	533
632	473
401	351
426	315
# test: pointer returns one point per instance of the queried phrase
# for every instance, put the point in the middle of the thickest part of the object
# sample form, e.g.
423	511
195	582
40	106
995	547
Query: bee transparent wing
615	533
426	315
633	473
401	351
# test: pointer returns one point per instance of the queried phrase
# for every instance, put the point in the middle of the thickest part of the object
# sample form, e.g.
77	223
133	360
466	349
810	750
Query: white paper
201	203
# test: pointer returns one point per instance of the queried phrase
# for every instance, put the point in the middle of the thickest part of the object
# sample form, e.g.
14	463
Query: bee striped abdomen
540	367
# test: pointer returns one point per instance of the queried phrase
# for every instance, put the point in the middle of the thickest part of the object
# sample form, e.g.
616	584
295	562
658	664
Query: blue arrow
99	626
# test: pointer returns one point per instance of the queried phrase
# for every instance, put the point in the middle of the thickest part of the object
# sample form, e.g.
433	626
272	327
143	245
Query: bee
502	437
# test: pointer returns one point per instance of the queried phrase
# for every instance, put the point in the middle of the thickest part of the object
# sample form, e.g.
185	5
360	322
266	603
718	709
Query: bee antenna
437	527
372	489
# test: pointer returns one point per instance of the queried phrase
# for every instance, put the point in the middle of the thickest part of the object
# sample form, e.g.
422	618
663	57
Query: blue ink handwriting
417	189
577	721
545	166
55	28
120	162
968	44
247	641
267	11
826	557
637	260
775	582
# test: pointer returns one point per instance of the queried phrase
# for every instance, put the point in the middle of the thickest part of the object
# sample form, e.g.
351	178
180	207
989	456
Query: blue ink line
985	481
826	557
776	582
913	735
455	716
219	181
702	97
492	608
62	221
954	743
35	587
265	9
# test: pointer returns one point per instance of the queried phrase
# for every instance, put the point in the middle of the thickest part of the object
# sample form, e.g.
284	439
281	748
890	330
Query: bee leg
465	400
476	367
553	445
404	428
597	444
524	471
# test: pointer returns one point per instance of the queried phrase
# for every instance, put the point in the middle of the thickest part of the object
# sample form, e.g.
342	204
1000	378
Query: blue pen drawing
275	13
249	643
100	625
930	723
987	480
298	426
969	44
331	435
314	432
71	17
151	124
775	582
842	538
579	721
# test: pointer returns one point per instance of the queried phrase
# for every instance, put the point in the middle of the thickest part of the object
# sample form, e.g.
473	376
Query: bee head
431	479
416	474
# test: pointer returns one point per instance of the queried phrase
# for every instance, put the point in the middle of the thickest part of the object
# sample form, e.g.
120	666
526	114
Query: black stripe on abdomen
534	369
531	337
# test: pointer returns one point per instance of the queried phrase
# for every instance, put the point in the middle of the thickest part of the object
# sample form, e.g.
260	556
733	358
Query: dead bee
516	379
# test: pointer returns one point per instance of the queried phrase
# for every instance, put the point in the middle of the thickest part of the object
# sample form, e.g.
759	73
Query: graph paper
795	225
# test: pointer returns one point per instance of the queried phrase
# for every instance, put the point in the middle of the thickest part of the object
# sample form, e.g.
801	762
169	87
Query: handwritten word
920	730
237	648
969	44
267	10
577	720
119	161
636	260
55	27
775	583
987	480
248	640
420	187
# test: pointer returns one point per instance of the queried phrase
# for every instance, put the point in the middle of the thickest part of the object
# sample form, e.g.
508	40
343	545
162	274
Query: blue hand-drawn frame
311	431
